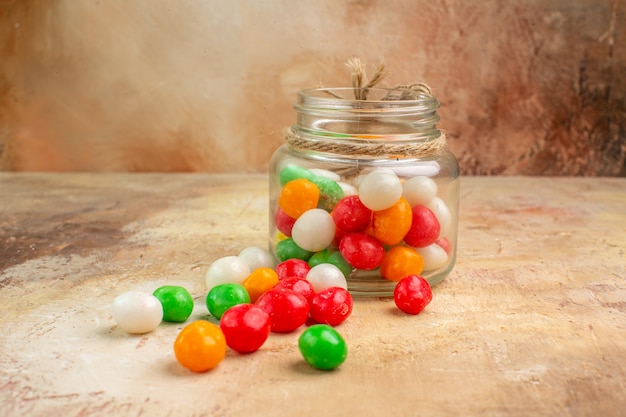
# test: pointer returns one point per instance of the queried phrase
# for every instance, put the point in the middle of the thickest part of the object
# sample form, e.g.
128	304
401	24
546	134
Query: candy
283	222
330	192
434	257
331	256
298	196
325	173
224	296
323	276
256	258
412	294
424	229
294	172
380	189
391	225
401	261
245	327
137	312
228	269
260	281
331	306
351	215
314	230
299	285
322	347
200	346
348	189
287	309
288	249
362	251
442	212
292	268
176	301
419	190
445	244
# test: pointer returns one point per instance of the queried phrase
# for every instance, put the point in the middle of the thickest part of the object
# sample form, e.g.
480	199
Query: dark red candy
424	229
412	294
362	251
284	223
350	215
287	309
292	268
331	306
297	284
245	327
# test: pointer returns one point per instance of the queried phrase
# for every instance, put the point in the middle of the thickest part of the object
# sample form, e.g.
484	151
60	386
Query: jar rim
378	98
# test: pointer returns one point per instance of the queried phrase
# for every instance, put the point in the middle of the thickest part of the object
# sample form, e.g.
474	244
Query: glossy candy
442	212
260	281
287	309
325	173
424	229
256	258
322	347
292	268
288	249
224	296
298	196
200	346
299	285
293	172
331	306
137	312
351	215
412	294
380	189
434	256
228	269
419	190
362	251
176	301
323	276
283	222
390	226
314	230
330	192
401	261
331	256
246	327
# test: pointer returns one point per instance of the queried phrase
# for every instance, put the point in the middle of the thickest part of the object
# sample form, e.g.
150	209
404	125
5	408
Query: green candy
322	347
224	296
330	256
294	172
288	249
330	192
176	301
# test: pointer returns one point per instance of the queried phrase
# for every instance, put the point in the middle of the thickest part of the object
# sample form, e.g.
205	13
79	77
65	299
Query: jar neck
389	114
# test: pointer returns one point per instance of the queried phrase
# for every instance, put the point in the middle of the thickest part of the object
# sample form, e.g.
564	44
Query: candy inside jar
367	185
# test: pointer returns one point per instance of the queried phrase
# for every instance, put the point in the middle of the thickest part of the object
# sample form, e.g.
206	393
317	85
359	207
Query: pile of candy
251	297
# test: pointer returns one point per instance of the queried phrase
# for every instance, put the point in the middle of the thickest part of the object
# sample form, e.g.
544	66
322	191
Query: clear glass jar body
344	140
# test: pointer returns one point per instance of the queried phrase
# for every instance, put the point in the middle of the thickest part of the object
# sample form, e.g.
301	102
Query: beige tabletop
532	321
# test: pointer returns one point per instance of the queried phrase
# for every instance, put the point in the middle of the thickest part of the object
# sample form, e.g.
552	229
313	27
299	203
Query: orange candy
401	261
200	346
260	281
298	196
390	226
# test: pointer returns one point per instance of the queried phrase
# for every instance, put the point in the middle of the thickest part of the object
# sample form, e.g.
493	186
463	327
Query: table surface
532	321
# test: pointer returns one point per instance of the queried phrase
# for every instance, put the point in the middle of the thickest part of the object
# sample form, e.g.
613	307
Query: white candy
419	191
348	189
434	256
324	276
137	312
314	230
227	270
257	258
442	212
325	173
380	189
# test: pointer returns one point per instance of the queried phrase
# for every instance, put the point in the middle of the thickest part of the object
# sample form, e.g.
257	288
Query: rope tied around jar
371	147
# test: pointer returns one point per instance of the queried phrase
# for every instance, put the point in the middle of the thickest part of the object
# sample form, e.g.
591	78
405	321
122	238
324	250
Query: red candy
287	309
245	327
350	215
292	268
445	244
284	223
412	294
331	306
424	229
297	284
362	251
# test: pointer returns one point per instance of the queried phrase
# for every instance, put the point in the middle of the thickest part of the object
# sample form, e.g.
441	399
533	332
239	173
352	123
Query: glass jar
388	154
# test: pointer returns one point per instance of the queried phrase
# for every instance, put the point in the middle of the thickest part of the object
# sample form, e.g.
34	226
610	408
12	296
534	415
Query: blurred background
531	87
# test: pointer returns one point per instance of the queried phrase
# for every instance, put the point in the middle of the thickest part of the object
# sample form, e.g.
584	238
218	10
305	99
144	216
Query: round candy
292	268
419	191
391	225
412	294
330	192
442	212
323	276
348	189
330	256
288	249
293	172
287	309
298	196
314	230
224	296
260	281
256	258
200	346
424	229
246	327
434	257
401	261
331	306
229	269
351	215
325	173
362	251
284	223
322	347
445	244
176	301
380	189
137	312
299	285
